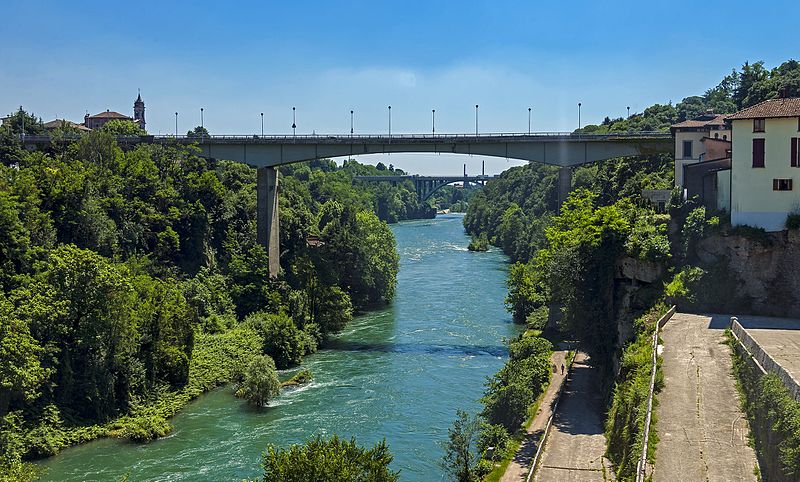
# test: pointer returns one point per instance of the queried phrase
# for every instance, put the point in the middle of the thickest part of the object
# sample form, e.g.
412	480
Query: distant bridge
562	149
426	186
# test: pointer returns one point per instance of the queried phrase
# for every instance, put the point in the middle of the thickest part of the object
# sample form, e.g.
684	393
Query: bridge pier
564	185
267	225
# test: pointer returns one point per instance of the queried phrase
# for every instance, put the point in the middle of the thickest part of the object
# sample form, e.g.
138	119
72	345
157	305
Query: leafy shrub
283	341
516	386
331	459
626	417
299	378
494	438
648	238
461	457
260	381
683	287
751	232
479	243
793	221
146	428
537	319
527	346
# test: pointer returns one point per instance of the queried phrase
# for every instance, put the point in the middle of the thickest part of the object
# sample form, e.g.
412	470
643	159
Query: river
398	373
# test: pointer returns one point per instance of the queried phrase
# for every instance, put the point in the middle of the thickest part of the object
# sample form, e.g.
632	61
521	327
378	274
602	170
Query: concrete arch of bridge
438	187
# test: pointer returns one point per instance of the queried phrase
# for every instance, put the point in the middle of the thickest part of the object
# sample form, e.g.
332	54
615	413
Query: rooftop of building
708	119
770	108
58	123
109	114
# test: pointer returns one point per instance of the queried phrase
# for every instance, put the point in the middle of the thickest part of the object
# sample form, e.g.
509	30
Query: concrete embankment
702	430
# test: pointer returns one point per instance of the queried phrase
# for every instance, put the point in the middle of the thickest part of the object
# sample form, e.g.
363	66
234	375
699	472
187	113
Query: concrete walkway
576	443
520	466
702	431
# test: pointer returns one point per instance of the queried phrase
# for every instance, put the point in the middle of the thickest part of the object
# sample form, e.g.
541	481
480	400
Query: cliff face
758	275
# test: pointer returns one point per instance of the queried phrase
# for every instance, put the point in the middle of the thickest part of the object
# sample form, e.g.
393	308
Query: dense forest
131	280
564	278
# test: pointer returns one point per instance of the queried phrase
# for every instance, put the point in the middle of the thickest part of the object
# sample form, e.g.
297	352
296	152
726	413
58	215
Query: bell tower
138	111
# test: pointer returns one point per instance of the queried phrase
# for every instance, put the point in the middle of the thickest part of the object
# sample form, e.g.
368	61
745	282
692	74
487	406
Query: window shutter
758	152
775	185
794	158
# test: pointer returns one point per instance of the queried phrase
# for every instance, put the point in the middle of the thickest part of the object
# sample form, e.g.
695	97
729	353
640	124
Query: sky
239	59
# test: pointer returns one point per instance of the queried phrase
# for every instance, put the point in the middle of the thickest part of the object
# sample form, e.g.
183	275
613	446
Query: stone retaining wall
764	359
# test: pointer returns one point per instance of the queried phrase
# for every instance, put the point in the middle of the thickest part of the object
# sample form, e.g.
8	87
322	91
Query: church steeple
138	111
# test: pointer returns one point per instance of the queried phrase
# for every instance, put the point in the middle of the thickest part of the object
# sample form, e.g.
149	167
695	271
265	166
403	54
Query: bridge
561	149
426	186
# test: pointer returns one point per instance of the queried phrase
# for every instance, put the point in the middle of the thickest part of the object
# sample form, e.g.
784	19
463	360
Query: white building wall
753	201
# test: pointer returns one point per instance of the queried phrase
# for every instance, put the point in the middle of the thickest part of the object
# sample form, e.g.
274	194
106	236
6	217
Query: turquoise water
399	373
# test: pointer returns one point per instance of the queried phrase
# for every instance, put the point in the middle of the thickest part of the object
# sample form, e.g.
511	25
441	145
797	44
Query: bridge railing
362	137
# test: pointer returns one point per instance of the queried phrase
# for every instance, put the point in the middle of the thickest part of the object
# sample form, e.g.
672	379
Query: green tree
329	460
198	132
460	451
21	373
283	341
120	127
260	381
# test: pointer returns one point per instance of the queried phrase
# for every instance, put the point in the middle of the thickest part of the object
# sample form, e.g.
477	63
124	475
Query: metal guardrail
641	466
368	137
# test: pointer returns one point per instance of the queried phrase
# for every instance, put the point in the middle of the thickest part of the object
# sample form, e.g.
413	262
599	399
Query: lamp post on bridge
529	121
390	122
476	119
351	122
294	123
579	115
262	124
202	125
629	112
433	122
176	125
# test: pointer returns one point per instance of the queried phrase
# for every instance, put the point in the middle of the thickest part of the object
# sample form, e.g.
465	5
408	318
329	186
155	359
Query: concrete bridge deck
703	434
556	148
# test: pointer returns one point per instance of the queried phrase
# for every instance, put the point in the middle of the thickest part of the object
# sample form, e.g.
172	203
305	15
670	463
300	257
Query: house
765	163
99	120
63	123
702	138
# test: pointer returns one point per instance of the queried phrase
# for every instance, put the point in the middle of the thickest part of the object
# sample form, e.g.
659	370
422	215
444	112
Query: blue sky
238	59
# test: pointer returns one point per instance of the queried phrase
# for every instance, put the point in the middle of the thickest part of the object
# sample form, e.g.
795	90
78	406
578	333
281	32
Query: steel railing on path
641	466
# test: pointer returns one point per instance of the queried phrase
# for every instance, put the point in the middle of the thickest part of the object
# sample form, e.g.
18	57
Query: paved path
702	431
576	443
520	466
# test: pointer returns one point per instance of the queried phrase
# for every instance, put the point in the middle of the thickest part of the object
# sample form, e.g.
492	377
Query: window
725	137
759	125
781	184
758	152
716	135
687	149
794	156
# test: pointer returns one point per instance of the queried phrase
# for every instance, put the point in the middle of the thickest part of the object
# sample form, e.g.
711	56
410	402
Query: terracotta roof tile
701	121
109	114
770	108
57	123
